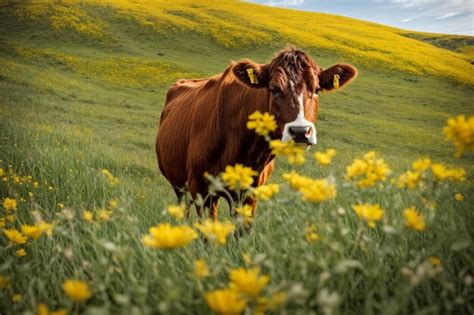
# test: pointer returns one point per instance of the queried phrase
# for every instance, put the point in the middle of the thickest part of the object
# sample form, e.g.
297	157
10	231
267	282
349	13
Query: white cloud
285	2
450	14
406	20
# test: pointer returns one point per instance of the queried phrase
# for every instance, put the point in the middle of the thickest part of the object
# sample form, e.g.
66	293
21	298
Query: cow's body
203	129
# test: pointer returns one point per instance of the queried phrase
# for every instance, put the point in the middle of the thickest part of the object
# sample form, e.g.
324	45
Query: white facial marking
300	121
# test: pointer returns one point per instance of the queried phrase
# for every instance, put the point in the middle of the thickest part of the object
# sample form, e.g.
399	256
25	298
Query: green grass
72	104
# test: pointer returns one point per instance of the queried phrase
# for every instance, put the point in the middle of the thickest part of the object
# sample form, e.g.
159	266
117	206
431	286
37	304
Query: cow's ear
336	77
251	74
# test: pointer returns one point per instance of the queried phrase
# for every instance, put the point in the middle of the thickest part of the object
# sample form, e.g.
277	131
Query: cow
203	124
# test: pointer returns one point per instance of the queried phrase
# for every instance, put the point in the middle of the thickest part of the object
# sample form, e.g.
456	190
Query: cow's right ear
251	74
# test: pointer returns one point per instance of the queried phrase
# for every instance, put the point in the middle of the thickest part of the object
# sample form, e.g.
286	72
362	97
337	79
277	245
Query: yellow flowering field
375	219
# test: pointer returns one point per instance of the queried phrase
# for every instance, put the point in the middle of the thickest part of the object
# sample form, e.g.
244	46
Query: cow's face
293	82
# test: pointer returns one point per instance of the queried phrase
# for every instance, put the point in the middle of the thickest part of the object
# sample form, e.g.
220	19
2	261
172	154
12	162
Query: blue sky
438	16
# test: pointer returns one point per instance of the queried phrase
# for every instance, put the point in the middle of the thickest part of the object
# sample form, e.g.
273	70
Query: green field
81	90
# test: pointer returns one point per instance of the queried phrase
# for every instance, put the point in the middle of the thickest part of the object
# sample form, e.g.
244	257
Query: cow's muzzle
300	133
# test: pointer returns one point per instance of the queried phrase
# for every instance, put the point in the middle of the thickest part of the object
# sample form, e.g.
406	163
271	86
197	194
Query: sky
437	16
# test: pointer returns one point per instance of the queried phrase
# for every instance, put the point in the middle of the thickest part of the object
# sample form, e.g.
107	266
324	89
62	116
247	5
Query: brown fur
203	125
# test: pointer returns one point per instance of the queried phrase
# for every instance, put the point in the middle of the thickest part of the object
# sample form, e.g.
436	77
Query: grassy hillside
81	90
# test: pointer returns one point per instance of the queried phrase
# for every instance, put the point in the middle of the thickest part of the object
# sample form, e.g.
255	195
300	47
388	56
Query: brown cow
203	124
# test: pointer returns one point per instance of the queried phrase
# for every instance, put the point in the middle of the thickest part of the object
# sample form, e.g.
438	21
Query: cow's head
293	81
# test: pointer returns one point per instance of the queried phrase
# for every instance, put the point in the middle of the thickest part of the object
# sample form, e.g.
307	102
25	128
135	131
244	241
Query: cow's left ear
251	74
336	77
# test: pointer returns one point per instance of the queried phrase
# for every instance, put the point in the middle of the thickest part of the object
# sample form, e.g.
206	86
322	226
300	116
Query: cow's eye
276	91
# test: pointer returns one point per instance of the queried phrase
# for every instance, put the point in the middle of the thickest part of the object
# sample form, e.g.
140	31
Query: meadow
81	90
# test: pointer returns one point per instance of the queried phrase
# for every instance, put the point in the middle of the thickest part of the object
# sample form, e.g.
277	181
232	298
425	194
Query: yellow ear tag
252	76
335	83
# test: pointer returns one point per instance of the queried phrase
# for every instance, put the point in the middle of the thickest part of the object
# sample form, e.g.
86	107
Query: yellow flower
177	211
200	269
16	298
461	132
248	281
88	216
104	215
421	165
30	194
113	203
60	205
414	220
166	236
215	231
262	123
435	261
77	290
370	213
110	178
32	231
46	228
225	301
441	173
294	153
368	171
296	181
21	252
43	310
272	304
318	190
10	218
9	204
459	197
15	236
311	235
2	223
326	157
238	176
409	179
246	212
265	192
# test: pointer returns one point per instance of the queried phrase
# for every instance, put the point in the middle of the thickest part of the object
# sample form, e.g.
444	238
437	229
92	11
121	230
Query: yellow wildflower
368	171
318	190
15	237
2	223
435	261
414	220
246	212
16	298
30	194
104	215
77	290
177	211
225	301
32	231
294	153
215	231
21	252
46	228
459	197
10	218
421	165
326	157
409	179
238	176
166	236
43	310
2	171
61	205
296	181
248	281
262	123
88	216
265	192
9	204
200	269
110	178
113	203
311	235
441	173
461	132
370	213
